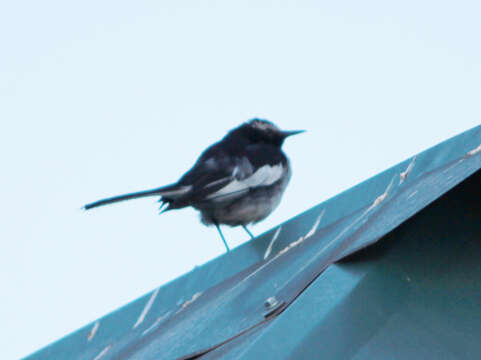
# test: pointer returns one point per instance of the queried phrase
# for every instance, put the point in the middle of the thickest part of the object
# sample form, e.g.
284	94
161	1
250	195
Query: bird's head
259	131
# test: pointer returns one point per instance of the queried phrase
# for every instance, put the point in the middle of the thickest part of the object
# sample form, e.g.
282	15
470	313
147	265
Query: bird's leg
248	231
222	236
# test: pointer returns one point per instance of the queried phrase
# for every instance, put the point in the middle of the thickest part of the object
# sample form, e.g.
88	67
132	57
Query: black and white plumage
236	181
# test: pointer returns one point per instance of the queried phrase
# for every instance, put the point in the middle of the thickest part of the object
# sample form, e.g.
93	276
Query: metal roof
416	294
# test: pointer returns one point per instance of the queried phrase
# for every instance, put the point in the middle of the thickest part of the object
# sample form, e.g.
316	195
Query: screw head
270	302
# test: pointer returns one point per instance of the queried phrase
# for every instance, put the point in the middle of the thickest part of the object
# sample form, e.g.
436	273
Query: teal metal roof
416	294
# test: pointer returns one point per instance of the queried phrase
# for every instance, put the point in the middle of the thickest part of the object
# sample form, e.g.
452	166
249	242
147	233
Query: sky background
102	98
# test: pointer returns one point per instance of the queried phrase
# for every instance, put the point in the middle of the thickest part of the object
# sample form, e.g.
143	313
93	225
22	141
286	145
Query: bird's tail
171	191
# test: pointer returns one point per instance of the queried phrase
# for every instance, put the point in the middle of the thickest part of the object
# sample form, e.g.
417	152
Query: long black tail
171	190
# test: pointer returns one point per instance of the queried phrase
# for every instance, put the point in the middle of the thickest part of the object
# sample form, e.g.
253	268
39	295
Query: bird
237	181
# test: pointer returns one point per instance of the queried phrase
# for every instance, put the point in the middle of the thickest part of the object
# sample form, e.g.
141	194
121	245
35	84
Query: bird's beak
292	132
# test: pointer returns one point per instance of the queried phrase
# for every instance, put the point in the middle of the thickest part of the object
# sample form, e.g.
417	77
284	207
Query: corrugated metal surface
420	298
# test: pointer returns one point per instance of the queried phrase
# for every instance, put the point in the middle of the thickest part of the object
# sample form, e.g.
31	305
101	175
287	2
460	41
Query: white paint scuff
474	151
381	197
311	232
406	172
316	224
188	302
274	238
156	323
412	194
103	352
146	308
92	332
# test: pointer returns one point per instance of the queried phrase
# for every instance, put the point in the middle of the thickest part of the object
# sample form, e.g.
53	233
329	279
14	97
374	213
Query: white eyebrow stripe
264	176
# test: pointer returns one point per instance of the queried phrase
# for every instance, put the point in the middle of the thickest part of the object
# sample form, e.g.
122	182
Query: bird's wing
222	177
235	187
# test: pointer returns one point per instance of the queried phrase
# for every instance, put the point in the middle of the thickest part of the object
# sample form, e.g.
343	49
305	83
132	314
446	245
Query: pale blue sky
101	98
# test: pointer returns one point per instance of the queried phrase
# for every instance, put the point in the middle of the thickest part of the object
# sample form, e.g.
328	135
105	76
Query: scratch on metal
156	323
381	197
375	203
103	352
474	151
291	245
188	302
308	235
406	172
412	194
311	232
92	332
146	308
274	238
316	224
